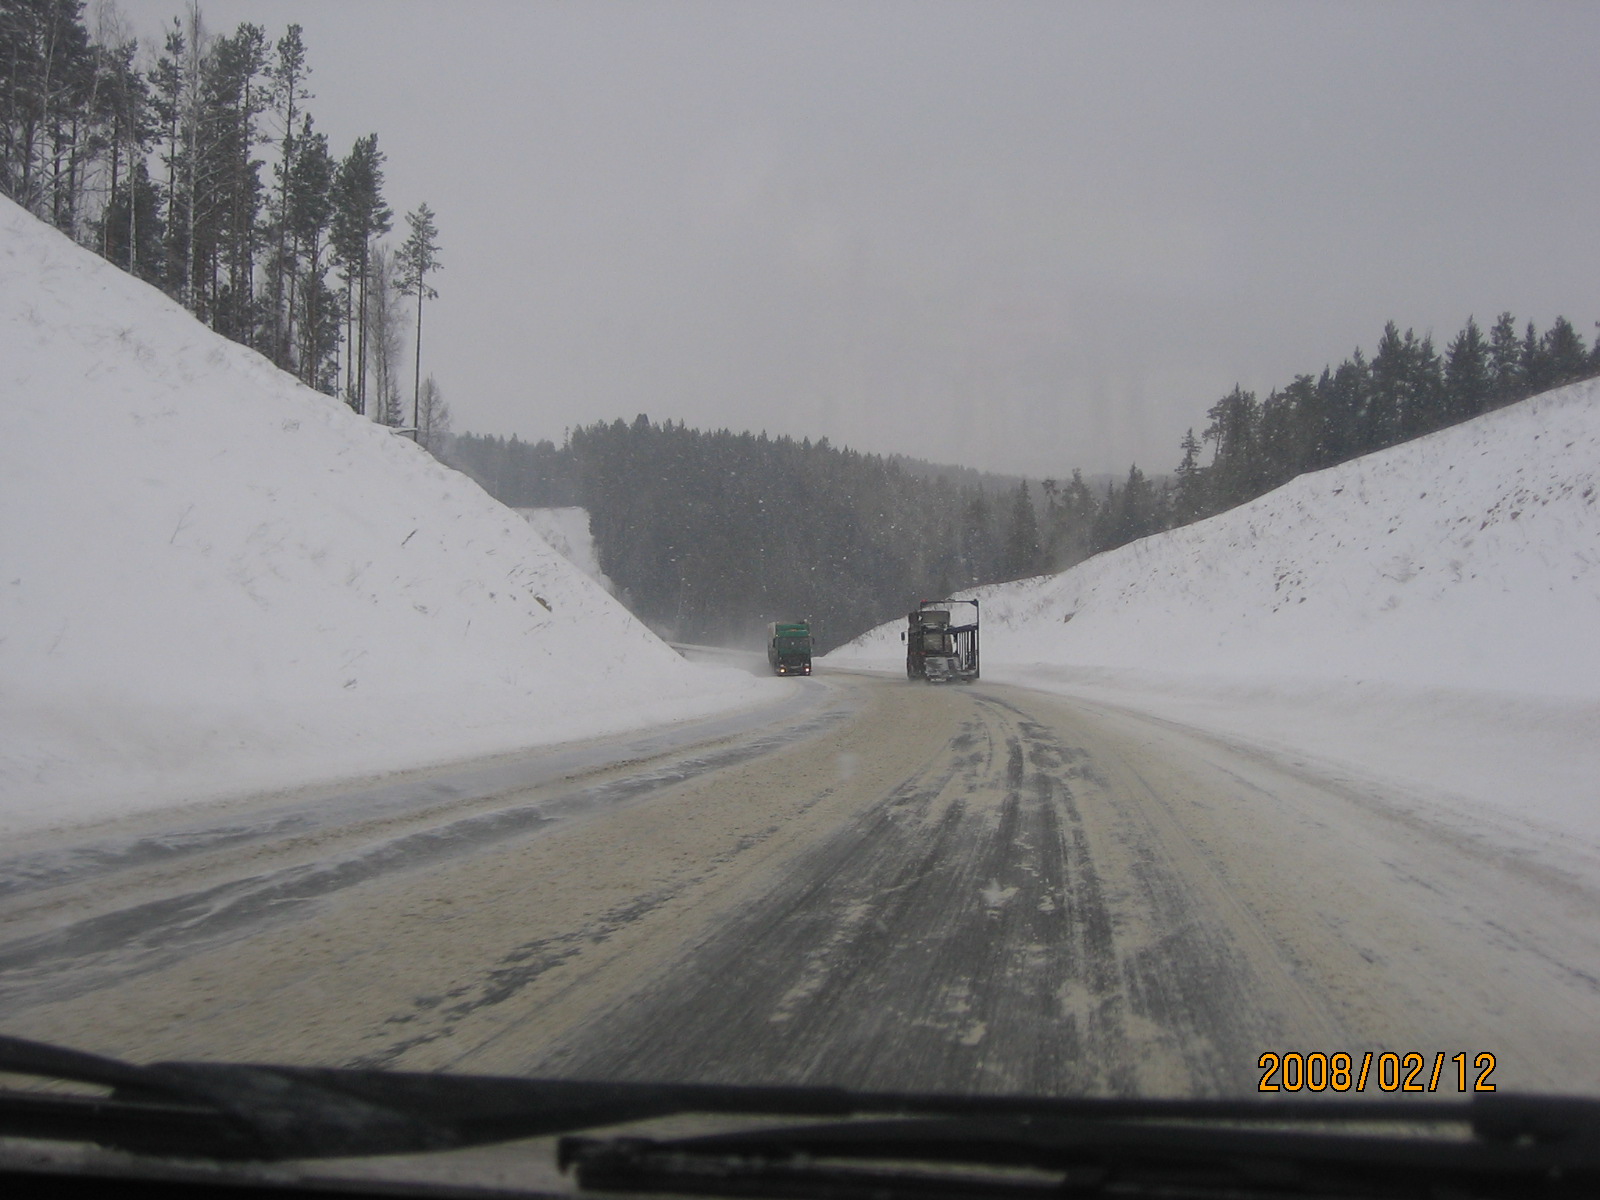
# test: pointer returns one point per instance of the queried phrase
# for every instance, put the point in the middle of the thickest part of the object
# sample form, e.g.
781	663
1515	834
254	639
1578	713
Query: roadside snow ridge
1467	558
218	580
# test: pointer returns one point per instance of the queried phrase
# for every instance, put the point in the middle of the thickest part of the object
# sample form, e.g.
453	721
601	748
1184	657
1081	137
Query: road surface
877	884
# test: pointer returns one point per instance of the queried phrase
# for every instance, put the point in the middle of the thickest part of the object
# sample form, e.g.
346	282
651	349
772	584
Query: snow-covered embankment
216	580
1428	615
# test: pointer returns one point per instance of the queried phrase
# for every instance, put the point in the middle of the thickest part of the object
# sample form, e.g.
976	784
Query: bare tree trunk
416	379
111	200
349	341
191	121
385	338
361	330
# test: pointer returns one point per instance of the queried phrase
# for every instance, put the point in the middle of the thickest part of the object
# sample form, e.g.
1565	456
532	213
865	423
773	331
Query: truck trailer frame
939	647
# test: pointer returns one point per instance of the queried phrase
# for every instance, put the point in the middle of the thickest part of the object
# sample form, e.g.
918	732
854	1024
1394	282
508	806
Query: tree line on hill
149	157
1405	390
711	534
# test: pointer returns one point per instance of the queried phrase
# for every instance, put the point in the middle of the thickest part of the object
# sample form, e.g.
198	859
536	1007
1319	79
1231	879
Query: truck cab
941	642
789	647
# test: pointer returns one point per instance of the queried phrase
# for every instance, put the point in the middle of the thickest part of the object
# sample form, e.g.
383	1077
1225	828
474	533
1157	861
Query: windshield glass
423	420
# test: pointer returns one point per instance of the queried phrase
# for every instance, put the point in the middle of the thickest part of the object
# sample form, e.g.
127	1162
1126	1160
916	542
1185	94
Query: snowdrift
1426	619
566	531
1469	558
216	580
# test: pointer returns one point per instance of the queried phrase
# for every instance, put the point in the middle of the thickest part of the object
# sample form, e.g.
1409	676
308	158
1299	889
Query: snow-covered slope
215	579
1430	613
567	532
1469	558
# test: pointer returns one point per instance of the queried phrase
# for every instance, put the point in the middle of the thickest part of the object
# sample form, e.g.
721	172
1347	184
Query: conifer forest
197	166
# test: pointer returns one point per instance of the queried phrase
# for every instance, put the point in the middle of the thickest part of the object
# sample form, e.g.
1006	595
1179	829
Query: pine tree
1391	369
1290	430
193	138
1407	386
234	100
1103	528
1505	362
1564	355
1346	396
287	76
977	541
419	257
313	310
1022	536
1072	523
1135	511
1425	403
359	217
73	142
1534	363
166	101
1469	383
1234	472
1189	498
121	109
201	171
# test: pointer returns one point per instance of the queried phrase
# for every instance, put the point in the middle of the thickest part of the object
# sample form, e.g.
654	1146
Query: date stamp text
1385	1071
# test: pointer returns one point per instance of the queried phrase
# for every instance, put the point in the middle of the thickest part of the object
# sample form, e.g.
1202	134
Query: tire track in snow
1005	919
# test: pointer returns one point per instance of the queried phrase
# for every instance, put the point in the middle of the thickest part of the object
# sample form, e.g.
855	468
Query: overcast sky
1017	236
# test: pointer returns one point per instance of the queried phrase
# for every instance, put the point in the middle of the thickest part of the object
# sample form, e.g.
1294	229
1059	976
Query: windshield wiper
1506	1147
913	1145
202	1110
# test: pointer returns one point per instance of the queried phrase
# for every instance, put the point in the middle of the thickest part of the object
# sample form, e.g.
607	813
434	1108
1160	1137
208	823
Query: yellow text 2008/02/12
1384	1071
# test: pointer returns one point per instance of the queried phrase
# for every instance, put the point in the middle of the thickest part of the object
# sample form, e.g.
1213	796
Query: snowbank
1429	614
216	580
566	530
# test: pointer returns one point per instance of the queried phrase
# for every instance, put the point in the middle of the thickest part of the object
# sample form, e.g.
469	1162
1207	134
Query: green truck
789	647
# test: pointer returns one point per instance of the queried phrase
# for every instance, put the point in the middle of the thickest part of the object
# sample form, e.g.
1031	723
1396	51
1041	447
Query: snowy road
882	885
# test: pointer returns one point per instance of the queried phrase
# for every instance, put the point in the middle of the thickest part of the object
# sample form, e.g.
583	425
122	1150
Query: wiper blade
234	1110
241	1111
209	1110
1009	1156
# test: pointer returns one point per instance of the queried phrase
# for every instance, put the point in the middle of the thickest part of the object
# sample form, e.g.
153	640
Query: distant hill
710	535
990	481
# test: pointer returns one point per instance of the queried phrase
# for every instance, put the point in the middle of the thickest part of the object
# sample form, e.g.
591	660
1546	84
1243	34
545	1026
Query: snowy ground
1428	616
567	532
218	581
